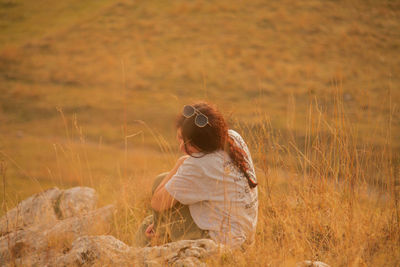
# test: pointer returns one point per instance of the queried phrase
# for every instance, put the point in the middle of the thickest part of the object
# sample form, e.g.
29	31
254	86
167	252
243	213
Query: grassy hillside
89	91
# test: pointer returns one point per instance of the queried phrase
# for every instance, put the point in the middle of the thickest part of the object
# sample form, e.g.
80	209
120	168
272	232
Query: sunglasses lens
188	111
201	120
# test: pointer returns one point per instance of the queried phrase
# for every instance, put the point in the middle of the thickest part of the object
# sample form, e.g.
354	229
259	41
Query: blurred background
89	90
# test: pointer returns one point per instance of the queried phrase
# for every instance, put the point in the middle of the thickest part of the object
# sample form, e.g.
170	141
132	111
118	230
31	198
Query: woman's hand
150	231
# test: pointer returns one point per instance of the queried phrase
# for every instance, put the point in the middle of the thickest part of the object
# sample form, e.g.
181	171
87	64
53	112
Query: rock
20	243
37	259
180	253
107	250
188	262
28	243
96	251
48	207
77	201
37	209
91	223
63	228
308	263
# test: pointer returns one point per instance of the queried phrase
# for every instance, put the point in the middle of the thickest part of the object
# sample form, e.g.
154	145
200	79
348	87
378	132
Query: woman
212	190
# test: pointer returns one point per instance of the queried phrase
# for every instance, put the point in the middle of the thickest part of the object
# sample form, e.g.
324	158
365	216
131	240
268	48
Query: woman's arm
161	199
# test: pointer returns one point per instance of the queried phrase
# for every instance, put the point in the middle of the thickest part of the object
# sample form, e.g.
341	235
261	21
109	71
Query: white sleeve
187	185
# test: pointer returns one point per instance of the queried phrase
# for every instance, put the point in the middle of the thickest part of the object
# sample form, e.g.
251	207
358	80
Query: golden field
89	92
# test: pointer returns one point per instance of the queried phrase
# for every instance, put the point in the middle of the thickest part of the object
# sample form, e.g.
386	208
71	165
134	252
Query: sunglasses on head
201	120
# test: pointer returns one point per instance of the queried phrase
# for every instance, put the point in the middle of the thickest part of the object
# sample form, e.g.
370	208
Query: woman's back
218	194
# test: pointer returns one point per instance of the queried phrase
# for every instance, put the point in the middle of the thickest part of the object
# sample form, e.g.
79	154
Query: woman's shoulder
233	133
207	161
202	157
237	137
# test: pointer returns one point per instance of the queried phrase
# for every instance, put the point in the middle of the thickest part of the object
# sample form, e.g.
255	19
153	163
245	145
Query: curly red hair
214	136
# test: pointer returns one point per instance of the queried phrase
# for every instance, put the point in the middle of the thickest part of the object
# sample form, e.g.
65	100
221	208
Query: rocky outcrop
76	201
48	207
35	210
45	225
64	228
309	263
180	253
97	251
107	250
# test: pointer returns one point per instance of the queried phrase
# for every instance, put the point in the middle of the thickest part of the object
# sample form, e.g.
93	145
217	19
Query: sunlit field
89	93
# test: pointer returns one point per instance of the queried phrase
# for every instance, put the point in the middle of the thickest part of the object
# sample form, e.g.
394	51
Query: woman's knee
158	181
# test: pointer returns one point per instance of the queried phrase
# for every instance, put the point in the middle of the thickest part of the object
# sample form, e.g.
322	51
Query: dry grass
319	199
313	87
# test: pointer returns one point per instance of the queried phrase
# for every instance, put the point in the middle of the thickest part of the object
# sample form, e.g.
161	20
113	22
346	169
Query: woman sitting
211	192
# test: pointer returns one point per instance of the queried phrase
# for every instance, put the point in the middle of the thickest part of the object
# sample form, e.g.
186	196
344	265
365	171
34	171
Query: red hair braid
238	157
213	136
